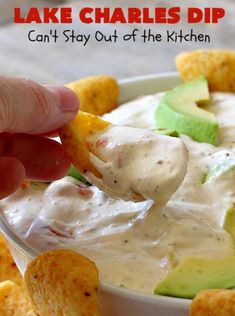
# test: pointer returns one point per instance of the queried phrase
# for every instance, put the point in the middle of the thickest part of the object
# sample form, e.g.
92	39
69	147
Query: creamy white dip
136	244
137	164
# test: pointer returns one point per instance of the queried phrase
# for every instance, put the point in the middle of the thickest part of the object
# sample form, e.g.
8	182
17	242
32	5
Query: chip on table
8	268
13	301
217	66
63	282
215	302
97	94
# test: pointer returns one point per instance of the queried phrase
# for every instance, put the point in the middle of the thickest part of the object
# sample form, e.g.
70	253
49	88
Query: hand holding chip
28	109
98	149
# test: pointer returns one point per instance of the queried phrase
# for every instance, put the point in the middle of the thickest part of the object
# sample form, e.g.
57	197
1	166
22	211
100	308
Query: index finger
43	159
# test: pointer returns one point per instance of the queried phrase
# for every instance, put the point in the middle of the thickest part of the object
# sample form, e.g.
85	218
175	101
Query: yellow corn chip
62	282
73	137
217	66
13	301
97	95
8	268
213	303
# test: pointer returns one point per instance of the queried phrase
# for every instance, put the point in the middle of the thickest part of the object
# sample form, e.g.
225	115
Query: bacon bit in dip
85	192
102	142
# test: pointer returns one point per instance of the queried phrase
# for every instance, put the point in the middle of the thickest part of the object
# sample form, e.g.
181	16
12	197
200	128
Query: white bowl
115	301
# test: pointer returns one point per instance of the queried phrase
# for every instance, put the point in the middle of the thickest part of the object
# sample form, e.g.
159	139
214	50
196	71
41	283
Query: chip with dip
108	154
73	137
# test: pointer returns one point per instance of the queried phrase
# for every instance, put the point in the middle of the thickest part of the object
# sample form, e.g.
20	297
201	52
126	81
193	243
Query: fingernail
68	100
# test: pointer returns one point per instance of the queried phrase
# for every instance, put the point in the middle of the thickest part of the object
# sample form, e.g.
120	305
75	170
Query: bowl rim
29	251
149	77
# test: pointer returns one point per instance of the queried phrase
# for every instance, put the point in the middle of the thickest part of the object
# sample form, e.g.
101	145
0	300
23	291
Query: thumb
27	107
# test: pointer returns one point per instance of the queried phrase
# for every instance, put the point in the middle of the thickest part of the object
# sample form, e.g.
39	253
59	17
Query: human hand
26	111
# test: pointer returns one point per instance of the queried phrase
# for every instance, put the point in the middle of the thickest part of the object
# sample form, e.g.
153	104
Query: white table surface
61	63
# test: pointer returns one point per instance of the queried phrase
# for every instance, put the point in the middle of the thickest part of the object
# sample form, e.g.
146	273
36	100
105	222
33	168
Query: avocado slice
178	110
194	274
75	174
229	221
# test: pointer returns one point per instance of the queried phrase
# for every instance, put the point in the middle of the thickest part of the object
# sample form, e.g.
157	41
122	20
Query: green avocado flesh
178	111
75	174
194	274
229	222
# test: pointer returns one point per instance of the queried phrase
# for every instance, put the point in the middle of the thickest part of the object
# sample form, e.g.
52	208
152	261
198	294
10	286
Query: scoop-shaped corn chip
217	66
13	301
213	303
8	268
62	282
97	95
73	137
